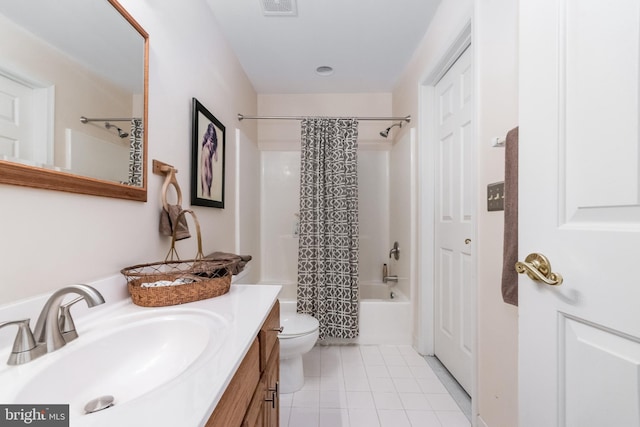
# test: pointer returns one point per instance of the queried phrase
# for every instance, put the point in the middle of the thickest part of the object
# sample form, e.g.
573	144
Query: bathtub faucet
386	278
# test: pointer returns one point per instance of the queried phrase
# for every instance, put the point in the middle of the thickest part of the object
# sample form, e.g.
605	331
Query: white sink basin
127	356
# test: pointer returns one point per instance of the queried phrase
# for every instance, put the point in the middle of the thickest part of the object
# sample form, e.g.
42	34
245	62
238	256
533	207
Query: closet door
454	225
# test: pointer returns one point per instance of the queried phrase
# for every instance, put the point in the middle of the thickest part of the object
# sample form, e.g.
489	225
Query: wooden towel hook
170	179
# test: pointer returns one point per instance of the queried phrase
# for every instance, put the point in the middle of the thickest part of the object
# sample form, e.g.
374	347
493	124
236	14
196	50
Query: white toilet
299	335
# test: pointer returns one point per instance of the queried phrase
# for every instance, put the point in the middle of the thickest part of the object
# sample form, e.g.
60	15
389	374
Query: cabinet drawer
234	402
269	334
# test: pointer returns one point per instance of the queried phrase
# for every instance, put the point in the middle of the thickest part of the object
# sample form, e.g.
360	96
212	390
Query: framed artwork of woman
207	158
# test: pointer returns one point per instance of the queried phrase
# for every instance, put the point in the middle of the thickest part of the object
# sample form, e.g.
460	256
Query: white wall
52	239
494	40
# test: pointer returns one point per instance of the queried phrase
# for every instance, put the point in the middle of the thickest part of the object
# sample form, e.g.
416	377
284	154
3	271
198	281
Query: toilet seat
296	325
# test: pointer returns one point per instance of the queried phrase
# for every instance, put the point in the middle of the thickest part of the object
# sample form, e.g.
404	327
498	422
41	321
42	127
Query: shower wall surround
280	204
403	211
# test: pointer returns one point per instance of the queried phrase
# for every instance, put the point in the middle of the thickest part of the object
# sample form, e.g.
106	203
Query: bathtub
383	319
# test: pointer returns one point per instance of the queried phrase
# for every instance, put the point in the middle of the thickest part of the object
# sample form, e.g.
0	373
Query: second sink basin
127	356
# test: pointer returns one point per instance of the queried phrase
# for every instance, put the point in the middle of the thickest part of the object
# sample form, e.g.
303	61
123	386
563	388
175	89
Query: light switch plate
495	196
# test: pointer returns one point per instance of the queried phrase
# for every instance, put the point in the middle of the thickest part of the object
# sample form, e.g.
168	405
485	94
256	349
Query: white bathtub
383	320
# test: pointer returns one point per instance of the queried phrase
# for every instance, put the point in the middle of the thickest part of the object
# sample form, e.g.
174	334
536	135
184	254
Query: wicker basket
208	278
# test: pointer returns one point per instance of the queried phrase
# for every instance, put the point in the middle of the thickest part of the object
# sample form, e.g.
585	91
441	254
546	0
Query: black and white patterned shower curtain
328	242
135	153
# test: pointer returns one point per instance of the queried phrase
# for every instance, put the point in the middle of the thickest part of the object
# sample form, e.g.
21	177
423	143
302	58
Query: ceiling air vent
279	7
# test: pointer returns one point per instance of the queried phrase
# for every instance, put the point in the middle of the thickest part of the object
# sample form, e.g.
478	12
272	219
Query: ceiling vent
279	7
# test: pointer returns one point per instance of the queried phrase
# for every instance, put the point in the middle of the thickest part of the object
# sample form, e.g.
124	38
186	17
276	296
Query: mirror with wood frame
73	97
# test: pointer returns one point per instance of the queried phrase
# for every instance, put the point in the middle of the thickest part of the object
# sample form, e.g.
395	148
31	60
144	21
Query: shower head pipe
121	133
108	125
385	133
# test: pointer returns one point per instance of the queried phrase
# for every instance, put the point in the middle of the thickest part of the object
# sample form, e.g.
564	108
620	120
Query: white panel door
26	120
454	220
15	114
579	343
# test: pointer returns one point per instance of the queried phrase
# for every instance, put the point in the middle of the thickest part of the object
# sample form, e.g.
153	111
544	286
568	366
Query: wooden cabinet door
264	410
252	398
255	416
272	375
238	396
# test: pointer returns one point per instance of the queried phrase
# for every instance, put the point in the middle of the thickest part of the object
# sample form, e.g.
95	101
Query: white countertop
185	401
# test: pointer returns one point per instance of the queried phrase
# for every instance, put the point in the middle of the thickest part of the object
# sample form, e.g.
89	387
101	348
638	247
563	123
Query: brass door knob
538	268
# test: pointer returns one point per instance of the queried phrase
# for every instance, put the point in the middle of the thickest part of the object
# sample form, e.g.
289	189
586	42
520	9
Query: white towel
161	283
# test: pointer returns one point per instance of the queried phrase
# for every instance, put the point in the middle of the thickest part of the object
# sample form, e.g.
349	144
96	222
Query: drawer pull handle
279	330
274	389
272	400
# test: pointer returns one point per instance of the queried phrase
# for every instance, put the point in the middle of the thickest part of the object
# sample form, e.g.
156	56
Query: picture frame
207	158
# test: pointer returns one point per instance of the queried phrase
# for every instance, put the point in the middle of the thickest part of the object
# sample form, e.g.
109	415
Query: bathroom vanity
252	397
208	363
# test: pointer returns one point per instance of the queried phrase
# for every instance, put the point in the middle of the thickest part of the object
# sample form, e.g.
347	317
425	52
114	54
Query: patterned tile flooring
370	386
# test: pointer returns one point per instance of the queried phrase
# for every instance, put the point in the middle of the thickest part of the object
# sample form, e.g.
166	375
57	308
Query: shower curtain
328	239
135	153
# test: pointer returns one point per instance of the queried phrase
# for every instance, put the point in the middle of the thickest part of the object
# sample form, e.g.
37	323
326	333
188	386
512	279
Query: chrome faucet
54	320
47	330
386	278
25	349
65	321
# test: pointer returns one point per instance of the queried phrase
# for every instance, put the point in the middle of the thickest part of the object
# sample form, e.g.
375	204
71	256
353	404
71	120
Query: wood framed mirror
80	124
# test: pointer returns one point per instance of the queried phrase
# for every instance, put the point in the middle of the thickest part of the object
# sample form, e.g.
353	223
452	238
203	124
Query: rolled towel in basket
239	261
161	283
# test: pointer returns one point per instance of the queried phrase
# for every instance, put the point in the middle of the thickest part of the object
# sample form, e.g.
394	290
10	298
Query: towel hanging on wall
170	215
510	251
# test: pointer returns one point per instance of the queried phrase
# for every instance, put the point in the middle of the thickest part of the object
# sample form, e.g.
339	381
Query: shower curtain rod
243	117
84	119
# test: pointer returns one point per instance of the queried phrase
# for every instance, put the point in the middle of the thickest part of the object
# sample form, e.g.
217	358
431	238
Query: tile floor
369	386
